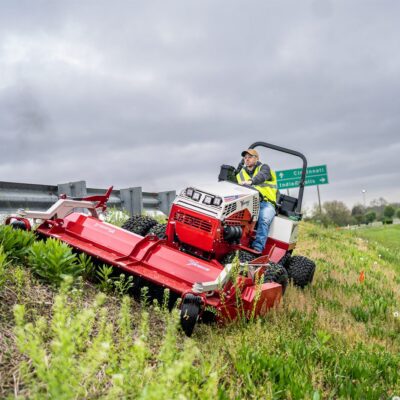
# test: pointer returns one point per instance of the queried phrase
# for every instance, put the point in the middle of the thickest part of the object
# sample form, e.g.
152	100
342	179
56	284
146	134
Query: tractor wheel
190	311
139	224
18	225
244	256
276	273
301	270
159	230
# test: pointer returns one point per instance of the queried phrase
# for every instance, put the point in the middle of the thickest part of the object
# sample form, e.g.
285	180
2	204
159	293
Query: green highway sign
290	178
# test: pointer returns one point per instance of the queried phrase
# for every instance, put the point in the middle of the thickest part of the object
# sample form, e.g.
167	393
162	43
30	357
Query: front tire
190	311
277	273
301	271
19	225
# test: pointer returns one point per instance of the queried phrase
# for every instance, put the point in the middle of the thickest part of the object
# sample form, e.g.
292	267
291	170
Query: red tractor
193	254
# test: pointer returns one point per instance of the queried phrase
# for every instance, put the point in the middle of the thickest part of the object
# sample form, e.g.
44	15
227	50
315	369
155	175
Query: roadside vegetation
76	333
336	213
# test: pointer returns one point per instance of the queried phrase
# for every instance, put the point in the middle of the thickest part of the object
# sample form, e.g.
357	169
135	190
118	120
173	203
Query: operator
260	176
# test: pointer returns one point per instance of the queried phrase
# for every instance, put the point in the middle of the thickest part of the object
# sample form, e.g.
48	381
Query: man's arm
263	175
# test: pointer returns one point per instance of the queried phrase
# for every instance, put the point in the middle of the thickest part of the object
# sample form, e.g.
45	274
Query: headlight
189	192
217	201
208	200
196	196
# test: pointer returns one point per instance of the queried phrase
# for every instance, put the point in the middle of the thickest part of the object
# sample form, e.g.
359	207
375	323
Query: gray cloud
160	94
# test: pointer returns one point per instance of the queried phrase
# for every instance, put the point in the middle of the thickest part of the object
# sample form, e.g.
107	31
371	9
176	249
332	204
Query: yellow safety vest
268	189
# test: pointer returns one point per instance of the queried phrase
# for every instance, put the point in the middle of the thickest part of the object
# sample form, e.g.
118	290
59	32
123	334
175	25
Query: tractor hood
219	199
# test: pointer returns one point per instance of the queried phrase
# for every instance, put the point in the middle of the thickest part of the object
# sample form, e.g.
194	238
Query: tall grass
80	353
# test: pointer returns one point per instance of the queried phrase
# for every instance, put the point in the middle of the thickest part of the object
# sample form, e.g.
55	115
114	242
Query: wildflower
396	314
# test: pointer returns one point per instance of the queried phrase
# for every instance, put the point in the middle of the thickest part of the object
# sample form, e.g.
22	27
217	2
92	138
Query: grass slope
386	235
339	338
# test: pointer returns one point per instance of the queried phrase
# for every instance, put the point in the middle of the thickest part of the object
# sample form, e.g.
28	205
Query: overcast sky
159	94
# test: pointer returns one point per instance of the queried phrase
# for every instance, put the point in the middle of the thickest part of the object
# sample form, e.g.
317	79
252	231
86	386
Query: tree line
336	213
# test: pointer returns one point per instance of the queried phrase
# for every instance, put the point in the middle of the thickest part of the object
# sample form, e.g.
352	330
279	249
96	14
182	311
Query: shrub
52	260
370	217
16	243
389	212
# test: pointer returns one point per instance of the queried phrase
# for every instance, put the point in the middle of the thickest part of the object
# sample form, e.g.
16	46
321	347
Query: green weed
87	265
3	267
123	284
116	217
83	355
16	243
104	275
52	260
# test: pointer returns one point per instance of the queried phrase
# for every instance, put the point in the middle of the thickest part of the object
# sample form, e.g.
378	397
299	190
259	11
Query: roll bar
294	153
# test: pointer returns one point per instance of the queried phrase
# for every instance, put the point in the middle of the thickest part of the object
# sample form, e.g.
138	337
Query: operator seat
286	205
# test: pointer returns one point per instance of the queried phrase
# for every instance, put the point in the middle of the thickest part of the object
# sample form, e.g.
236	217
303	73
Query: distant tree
320	217
370	217
337	212
398	213
389	211
358	213
379	202
378	205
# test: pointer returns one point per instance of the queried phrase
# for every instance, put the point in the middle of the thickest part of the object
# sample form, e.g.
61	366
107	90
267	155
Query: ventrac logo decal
245	203
196	264
105	227
231	198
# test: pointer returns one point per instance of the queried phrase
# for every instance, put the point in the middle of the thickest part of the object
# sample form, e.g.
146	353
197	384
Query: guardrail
36	197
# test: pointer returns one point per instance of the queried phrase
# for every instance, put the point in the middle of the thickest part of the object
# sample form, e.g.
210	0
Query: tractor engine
213	220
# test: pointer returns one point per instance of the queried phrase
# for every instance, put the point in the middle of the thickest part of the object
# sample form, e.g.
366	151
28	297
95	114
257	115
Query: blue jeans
267	214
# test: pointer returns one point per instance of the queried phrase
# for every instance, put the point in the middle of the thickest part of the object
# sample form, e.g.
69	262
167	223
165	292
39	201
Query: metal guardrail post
73	189
132	200
166	199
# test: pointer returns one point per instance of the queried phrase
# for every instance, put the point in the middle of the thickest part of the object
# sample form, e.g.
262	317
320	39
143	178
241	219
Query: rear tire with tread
244	256
139	224
159	230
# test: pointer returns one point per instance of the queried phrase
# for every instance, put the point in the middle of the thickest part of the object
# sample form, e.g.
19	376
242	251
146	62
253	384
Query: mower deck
154	260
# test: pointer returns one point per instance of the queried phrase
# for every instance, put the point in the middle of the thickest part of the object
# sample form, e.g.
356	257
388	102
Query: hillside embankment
339	338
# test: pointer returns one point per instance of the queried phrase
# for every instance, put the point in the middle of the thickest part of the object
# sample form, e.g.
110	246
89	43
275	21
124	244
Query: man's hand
249	182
